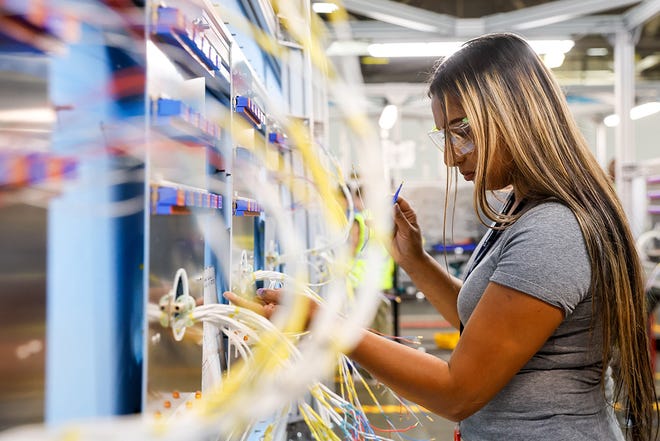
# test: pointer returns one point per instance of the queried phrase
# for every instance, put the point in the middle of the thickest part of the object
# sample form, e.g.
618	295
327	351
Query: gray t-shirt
557	395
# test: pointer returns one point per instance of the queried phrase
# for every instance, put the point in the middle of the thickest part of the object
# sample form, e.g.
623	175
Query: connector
176	306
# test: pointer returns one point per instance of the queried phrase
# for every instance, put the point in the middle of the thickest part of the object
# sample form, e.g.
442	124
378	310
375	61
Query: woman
554	295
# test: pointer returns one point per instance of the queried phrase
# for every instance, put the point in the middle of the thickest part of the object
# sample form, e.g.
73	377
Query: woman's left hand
266	302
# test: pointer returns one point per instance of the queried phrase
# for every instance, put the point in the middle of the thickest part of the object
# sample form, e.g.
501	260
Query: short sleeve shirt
557	395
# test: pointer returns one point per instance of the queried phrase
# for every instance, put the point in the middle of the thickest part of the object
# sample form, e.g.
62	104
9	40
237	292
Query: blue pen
396	194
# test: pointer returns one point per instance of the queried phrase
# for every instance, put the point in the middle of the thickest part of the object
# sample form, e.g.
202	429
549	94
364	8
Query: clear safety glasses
459	138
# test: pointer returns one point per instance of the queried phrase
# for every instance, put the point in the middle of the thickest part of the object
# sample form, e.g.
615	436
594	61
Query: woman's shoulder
548	213
547	208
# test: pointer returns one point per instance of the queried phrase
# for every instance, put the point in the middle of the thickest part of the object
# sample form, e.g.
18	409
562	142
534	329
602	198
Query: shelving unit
653	194
170	124
218	134
21	169
176	200
34	26
196	46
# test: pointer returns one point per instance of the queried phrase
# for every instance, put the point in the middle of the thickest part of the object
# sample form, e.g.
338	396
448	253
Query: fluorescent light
446	48
553	59
38	115
644	110
324	8
597	51
346	48
388	117
433	49
611	120
637	112
549	46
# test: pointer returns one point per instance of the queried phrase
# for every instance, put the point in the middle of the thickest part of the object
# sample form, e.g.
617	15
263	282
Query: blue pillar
95	298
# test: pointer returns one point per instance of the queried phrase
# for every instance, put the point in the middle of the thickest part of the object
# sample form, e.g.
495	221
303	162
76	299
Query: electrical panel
166	152
162	157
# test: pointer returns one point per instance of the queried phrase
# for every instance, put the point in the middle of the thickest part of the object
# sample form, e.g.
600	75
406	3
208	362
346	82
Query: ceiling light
433	49
644	110
324	8
611	120
553	59
388	117
37	115
550	46
597	51
446	48
346	48
637	112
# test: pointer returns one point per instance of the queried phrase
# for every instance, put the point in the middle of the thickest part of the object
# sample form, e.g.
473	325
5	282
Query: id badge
457	433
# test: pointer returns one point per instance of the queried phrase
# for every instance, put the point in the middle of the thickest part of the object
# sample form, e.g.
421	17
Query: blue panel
167	196
259	243
167	107
8	44
163	209
129	261
167	27
95	253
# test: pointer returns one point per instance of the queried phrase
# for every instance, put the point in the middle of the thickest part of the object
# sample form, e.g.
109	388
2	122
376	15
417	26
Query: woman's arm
439	287
505	330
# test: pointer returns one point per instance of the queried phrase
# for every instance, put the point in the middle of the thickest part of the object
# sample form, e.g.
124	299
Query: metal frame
641	13
567	15
401	15
550	13
624	84
374	30
558	19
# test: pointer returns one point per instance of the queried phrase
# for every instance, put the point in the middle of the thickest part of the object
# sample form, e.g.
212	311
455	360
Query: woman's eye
463	131
459	131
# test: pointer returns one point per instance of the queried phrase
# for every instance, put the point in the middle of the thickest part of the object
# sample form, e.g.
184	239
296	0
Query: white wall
415	160
410	134
647	139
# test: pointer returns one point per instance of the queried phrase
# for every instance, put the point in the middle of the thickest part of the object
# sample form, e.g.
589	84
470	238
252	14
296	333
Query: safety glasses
459	138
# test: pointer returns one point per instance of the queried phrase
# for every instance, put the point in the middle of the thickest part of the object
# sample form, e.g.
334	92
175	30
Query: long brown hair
516	107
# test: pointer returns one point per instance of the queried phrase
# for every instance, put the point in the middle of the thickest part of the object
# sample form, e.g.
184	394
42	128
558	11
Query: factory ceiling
587	71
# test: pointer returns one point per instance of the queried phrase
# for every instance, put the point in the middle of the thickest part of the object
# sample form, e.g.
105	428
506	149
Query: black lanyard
489	239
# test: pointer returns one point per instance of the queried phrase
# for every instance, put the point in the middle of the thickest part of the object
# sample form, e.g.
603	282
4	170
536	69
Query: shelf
194	47
24	169
653	194
653	180
170	199
31	26
250	111
178	121
183	122
246	207
279	140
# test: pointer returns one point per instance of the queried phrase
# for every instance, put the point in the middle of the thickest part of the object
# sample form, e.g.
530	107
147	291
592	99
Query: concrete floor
419	322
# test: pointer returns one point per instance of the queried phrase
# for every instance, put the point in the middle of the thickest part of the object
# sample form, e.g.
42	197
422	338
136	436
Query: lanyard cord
489	239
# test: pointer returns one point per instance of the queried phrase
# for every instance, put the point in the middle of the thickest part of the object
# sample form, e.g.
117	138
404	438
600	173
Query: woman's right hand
407	247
